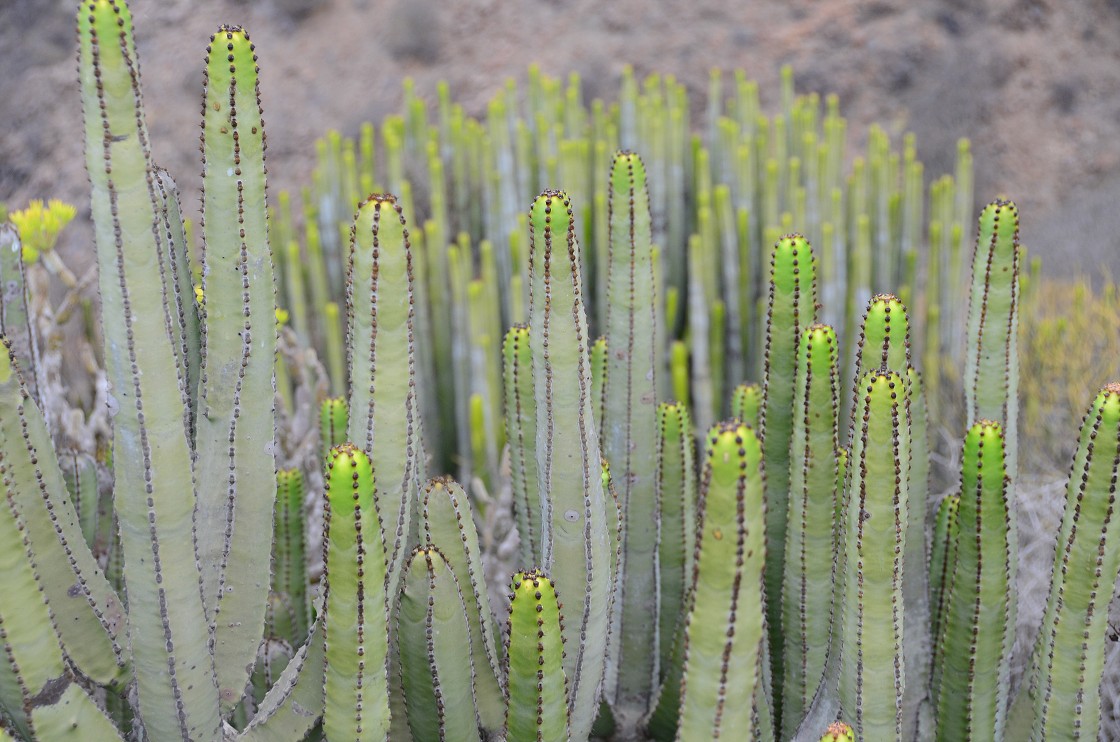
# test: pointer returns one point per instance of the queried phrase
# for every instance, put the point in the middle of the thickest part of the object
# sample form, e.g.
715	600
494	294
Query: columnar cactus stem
355	631
15	315
154	496
726	627
973	681
791	308
521	432
574	538
746	403
942	560
676	502
334	421
538	687
1064	678
449	525
991	362
630	425
873	672
384	415
435	649
235	440
289	560
807	588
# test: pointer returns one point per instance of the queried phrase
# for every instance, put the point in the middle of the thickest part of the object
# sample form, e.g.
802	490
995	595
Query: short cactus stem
746	403
838	731
333	424
724	638
356	690
538	686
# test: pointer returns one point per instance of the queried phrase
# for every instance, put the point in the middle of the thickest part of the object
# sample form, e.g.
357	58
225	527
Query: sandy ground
1034	83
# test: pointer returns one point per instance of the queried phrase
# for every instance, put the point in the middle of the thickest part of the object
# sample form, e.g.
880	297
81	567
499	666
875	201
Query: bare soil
1034	83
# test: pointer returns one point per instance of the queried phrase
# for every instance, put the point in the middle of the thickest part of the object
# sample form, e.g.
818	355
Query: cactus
672	627
356	682
538	686
972	683
725	635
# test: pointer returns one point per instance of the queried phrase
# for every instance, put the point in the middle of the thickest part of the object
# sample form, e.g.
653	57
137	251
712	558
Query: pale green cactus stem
384	414
168	631
355	631
972	669
521	432
334	421
872	665
15	317
79	471
630	426
295	702
37	690
289	560
437	673
791	309
810	537
676	500
746	403
942	560
538	687
235	435
178	288
991	380
725	635
574	537
448	524
1060	696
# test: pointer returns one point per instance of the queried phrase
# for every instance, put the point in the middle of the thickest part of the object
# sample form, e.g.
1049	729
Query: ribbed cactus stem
1064	678
154	497
942	560
435	651
791	308
991	360
873	672
289	558
746	403
448	524
574	535
355	631
630	424
726	626
838	731
334	421
973	680
235	459
384	414
538	686
521	432
676	501
807	587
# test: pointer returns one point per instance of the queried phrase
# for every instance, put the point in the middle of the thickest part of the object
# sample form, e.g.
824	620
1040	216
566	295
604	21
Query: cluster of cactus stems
225	565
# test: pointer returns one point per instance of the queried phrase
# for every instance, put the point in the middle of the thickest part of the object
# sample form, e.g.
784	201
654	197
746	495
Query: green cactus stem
355	631
289	561
676	500
1062	685
435	652
791	309
538	686
521	432
154	498
725	635
235	440
630	425
873	672
972	679
942	560
294	704
449	525
334	421
384	414
838	731
574	537
15	315
807	588
746	403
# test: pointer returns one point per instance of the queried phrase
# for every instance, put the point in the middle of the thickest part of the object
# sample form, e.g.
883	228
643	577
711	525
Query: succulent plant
783	593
